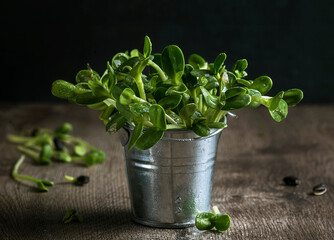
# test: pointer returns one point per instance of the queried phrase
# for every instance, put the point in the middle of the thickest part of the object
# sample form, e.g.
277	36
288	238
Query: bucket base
163	225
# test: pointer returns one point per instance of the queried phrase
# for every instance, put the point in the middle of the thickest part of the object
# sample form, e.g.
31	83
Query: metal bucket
170	182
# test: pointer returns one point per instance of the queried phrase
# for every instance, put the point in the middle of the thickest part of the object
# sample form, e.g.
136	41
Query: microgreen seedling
79	181
57	144
207	220
72	216
41	184
196	95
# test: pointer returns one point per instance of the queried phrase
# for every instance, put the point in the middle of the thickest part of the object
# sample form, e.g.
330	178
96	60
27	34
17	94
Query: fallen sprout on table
79	181
46	145
208	220
41	184
72	216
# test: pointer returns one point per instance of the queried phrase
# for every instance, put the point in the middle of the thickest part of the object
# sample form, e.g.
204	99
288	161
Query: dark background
290	41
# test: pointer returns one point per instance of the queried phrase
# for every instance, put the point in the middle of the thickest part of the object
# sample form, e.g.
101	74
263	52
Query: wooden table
254	154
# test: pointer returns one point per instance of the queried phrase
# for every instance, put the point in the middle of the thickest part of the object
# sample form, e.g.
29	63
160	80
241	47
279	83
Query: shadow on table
34	223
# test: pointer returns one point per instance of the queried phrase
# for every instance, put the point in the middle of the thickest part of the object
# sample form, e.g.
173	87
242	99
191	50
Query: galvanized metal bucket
170	182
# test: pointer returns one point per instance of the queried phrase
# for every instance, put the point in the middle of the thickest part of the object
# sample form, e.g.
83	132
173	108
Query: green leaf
234	92
244	82
147	47
88	98
231	80
190	80
94	157
280	112
97	89
127	65
217	125
170	101
139	108
239	68
125	111
254	94
211	101
274	103
84	76
222	222
212	83
176	90
136	134
200	73
45	154
79	150
118	59
105	114
293	96
158	116
149	138
187	111
65	128
196	61
159	93
218	64
173	63
205	221
201	128
263	84
63	89
116	122
112	78
174	116
128	96
237	102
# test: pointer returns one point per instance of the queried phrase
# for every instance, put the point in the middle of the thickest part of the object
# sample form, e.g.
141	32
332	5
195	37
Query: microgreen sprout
57	144
72	216
41	184
207	220
173	95
79	181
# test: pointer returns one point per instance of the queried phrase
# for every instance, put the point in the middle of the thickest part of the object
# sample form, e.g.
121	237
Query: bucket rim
213	132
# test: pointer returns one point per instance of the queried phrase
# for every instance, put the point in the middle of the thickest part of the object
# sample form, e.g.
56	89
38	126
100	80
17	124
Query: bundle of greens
170	94
45	145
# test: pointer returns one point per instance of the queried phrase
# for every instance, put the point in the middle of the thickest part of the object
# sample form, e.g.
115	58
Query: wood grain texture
254	154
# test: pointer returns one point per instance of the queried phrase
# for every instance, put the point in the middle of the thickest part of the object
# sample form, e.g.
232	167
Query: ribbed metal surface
171	181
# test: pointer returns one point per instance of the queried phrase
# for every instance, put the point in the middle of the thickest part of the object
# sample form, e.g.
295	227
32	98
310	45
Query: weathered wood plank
254	155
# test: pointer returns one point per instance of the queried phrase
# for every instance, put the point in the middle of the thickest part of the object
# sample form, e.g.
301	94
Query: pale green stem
175	126
200	103
28	178
18	139
140	86
216	210
148	124
264	100
81	142
29	152
158	69
220	115
194	95
170	119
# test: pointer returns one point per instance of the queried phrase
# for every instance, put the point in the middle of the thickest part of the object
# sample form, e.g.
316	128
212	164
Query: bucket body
170	182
